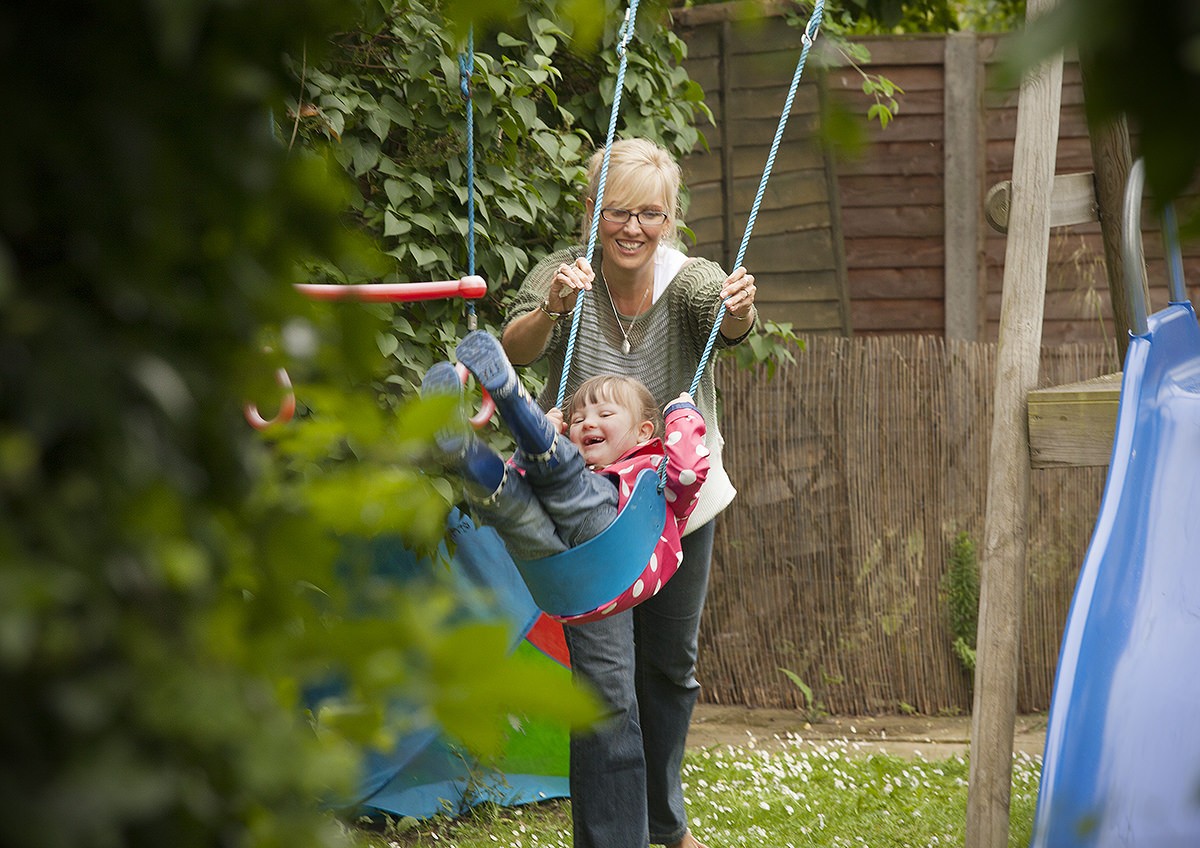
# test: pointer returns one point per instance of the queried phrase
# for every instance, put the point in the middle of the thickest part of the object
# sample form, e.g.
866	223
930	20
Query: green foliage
771	343
960	592
965	651
838	127
884	92
1140	60
173	583
905	15
813	708
387	107
895	17
991	15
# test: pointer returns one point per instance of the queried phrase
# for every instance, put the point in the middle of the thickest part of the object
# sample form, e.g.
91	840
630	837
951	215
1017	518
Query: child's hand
684	397
555	417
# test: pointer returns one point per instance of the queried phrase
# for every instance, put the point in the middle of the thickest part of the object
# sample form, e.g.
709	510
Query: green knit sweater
666	343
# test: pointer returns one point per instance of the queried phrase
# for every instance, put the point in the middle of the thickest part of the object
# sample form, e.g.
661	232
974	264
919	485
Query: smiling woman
650	316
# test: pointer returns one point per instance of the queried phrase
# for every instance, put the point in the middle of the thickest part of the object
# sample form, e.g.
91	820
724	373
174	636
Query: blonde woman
648	314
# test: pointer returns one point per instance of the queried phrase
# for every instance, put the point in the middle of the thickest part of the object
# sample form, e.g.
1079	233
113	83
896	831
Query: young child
545	499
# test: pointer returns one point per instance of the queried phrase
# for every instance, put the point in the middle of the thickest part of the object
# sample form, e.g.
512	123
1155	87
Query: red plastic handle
486	409
287	406
468	287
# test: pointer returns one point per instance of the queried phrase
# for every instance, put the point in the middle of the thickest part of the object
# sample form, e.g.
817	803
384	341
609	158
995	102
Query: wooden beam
1074	424
836	235
1002	561
1072	201
1112	159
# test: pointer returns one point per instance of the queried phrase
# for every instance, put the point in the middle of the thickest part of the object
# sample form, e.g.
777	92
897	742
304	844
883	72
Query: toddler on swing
555	492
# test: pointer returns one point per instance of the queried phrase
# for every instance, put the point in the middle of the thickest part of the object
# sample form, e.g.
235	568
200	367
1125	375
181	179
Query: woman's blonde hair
627	392
638	170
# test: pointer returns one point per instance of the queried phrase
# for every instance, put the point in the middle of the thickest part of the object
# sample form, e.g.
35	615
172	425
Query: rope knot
814	24
465	70
624	33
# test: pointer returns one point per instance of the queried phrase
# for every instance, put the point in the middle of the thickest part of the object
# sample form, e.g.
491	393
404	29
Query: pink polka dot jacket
687	466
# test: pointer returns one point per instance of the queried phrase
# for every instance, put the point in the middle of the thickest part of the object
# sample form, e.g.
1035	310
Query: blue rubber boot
442	379
484	469
475	462
484	357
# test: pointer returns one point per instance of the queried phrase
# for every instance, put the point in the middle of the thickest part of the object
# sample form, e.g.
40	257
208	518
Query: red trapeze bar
468	287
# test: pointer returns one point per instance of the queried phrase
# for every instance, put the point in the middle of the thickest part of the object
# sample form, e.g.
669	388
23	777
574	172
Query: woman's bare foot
688	841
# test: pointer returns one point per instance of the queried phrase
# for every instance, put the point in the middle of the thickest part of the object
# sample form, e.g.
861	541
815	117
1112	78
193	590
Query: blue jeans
626	787
556	504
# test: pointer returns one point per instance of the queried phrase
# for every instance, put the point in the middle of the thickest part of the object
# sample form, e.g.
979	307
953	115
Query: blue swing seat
591	576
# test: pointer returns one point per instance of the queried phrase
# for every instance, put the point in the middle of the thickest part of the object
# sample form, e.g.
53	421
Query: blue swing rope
623	35
466	67
808	39
810	36
565	568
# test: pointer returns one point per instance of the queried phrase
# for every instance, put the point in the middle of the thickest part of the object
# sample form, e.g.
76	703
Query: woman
649	314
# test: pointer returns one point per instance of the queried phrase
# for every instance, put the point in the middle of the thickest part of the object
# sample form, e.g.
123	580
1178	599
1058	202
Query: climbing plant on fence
387	107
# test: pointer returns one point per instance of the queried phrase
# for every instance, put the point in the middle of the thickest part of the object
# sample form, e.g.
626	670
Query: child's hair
627	392
637	169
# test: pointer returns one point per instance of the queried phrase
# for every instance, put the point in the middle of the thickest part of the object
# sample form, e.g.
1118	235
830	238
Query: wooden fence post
966	292
728	237
1002	564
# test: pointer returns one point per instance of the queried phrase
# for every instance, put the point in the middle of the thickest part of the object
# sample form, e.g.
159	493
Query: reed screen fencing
856	468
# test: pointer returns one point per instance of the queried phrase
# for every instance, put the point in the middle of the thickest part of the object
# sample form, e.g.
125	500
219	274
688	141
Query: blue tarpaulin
426	773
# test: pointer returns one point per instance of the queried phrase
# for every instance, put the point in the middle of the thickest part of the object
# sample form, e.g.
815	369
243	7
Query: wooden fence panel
887	226
796	246
884	210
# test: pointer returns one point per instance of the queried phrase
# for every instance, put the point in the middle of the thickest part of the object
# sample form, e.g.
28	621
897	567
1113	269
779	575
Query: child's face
604	429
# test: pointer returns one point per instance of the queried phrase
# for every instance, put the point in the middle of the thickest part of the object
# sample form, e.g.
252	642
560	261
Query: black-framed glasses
647	217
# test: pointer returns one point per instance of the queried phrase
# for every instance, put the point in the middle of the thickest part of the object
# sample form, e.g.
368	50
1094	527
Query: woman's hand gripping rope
568	282
738	294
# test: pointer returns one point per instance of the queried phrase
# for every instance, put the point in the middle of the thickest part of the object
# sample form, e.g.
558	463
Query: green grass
799	794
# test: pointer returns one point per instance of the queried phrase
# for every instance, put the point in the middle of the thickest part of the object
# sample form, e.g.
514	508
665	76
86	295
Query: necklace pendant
625	345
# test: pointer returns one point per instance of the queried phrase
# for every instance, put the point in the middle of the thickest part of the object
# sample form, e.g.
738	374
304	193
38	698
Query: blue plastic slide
1122	758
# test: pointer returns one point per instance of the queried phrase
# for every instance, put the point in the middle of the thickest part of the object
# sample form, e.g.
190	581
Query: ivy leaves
388	107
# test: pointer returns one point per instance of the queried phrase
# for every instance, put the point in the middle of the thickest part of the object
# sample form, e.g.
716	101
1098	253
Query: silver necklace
625	332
